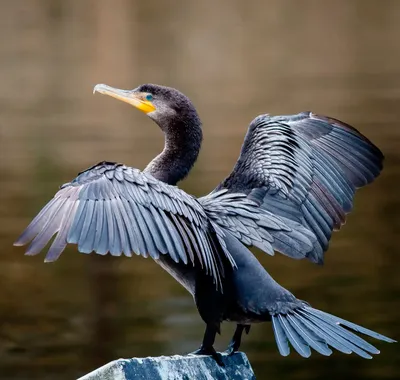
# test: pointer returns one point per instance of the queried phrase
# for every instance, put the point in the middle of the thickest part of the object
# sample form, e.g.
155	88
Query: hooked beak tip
99	88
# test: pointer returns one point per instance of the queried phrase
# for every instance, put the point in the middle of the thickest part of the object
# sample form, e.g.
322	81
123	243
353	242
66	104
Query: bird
291	187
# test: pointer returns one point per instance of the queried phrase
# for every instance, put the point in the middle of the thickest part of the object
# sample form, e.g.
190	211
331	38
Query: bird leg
207	348
237	339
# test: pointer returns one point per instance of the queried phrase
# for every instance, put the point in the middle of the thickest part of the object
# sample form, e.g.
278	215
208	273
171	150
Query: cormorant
292	186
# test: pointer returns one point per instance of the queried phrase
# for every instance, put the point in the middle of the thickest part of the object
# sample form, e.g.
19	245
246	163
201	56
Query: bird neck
181	149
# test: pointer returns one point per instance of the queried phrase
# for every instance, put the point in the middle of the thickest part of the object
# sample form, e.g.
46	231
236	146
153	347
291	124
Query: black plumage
291	187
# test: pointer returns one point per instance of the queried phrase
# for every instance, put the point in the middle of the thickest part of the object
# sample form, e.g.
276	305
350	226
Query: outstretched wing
305	168
114	208
253	226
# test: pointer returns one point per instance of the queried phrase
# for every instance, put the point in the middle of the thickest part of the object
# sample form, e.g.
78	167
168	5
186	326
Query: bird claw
209	351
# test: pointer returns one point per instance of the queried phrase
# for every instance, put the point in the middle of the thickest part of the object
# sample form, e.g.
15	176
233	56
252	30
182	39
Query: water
235	60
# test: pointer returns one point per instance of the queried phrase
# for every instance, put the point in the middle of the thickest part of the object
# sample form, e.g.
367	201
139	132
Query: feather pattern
305	327
253	226
304	168
117	209
280	336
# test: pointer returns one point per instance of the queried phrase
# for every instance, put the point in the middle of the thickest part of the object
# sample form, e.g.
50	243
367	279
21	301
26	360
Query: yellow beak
136	99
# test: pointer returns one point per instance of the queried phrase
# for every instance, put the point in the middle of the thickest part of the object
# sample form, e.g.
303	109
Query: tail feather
353	326
294	338
353	338
280	337
307	328
336	332
328	339
312	339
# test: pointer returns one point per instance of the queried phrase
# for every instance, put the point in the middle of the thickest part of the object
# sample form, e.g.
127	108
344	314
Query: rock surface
236	367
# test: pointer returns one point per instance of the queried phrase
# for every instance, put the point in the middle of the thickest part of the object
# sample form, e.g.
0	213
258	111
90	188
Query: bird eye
149	97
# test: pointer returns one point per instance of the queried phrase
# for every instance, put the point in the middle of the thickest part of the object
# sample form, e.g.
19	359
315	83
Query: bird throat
181	149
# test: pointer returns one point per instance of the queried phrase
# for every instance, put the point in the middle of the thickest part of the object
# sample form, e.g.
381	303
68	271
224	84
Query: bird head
165	105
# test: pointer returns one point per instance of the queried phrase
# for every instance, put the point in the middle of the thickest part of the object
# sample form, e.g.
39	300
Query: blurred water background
235	60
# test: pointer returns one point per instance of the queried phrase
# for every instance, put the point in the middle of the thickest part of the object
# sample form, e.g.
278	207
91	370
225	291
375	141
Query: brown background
235	59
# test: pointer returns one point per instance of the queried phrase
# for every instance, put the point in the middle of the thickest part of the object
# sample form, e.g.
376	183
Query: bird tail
307	328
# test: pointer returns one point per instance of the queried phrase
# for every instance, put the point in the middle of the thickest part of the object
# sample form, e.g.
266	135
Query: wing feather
86	240
304	168
116	209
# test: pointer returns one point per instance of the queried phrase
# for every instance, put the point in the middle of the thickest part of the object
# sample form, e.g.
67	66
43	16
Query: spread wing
305	168
114	208
253	226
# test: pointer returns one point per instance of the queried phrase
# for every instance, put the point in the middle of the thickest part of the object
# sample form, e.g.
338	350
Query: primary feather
304	168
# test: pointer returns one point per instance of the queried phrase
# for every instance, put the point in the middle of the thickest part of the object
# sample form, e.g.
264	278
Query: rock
236	367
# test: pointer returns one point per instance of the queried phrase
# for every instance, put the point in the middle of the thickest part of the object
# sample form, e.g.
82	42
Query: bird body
291	187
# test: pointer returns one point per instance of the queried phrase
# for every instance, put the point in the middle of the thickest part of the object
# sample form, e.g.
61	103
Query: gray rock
237	367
